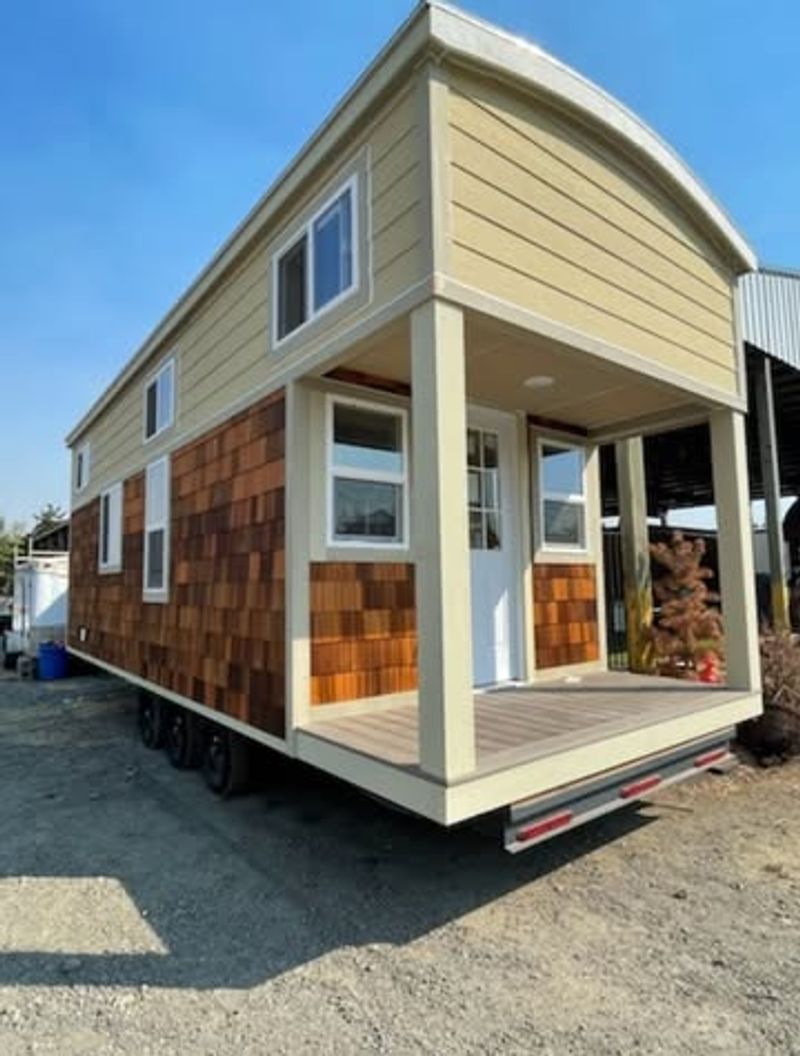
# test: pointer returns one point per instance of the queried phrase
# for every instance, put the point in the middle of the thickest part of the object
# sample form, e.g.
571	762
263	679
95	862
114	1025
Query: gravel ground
140	915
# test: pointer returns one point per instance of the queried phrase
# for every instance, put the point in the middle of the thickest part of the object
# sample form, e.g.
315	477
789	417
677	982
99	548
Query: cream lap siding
396	200
222	348
544	216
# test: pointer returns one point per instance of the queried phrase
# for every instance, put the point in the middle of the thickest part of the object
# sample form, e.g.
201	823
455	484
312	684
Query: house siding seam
220	639
566	629
363	630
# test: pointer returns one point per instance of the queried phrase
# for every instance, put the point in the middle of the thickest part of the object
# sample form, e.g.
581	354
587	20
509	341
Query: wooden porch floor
514	725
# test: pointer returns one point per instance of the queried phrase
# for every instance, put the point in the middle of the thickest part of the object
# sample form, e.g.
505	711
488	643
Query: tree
10	540
49	516
689	626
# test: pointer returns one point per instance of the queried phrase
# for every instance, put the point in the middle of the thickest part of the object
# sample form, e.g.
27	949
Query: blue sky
133	137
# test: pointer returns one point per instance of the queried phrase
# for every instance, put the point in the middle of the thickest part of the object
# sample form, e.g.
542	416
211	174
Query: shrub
775	735
689	626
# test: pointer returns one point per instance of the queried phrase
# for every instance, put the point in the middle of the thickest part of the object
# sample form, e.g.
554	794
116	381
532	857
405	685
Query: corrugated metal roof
770	307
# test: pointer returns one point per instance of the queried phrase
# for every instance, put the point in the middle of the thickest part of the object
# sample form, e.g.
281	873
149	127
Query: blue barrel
52	661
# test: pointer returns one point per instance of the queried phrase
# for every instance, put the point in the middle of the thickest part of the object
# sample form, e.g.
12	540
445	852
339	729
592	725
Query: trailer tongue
531	821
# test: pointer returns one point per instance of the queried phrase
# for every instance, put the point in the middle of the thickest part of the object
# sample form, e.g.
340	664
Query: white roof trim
481	42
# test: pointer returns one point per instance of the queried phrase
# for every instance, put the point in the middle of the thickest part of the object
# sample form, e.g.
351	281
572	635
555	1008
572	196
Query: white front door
491	460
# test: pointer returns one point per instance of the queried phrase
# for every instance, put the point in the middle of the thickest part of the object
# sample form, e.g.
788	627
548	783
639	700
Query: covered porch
450	748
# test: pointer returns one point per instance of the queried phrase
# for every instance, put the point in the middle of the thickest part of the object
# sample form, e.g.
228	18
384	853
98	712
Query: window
367	474
563	496
483	483
110	556
82	467
319	268
156	531
159	400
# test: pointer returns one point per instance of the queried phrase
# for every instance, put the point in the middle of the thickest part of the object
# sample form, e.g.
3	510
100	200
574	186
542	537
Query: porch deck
522	724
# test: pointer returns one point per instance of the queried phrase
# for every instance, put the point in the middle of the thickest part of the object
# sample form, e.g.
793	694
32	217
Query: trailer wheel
182	738
152	719
226	761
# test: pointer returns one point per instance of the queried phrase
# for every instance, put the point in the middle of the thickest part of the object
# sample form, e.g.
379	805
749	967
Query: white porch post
735	549
441	542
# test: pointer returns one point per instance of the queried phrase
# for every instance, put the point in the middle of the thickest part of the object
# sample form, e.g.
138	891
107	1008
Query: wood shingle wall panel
220	639
565	614
363	630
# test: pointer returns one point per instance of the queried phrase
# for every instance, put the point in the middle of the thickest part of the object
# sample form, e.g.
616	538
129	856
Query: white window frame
307	231
167	364
374	476
114	562
83	452
157	594
558	496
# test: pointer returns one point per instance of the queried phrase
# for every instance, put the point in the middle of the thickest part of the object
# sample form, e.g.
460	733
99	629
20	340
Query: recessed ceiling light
539	381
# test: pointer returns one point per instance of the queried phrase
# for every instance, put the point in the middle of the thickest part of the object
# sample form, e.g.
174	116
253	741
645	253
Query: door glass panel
476	530
492	531
474	487
473	447
483	485
490	442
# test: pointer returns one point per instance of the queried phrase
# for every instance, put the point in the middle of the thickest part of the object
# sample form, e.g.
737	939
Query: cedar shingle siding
565	614
220	638
363	630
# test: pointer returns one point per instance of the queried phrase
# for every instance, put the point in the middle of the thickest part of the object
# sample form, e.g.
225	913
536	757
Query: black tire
152	716
182	740
226	761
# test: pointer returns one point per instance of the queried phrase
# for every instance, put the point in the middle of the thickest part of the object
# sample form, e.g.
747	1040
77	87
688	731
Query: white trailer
39	614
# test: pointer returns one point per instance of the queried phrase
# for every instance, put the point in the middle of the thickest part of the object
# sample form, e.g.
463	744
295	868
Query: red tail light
638	788
711	757
541	828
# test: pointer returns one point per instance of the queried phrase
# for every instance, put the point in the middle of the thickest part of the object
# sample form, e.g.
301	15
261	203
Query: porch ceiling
587	393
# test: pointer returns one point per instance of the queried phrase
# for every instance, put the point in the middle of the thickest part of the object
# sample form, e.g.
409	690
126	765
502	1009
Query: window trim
378	477
112	492
306	231
169	363
572	498
157	594
83	450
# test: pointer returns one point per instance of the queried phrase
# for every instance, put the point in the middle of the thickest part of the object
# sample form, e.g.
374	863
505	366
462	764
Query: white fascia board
479	42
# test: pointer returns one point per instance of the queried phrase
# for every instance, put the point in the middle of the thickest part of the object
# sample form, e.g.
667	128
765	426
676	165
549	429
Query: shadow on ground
237	892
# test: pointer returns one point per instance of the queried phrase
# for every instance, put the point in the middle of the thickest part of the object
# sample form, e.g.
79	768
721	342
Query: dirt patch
140	915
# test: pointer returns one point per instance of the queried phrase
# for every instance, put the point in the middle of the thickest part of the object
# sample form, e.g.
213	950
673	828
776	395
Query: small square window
320	264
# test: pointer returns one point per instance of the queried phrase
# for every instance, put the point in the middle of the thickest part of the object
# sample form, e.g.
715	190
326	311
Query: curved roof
481	42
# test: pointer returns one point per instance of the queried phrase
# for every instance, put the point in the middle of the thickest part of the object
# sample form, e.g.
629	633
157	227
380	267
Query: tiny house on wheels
344	500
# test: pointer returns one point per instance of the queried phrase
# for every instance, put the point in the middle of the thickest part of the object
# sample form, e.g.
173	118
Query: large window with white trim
319	267
156	531
159	400
562	487
110	535
367	474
